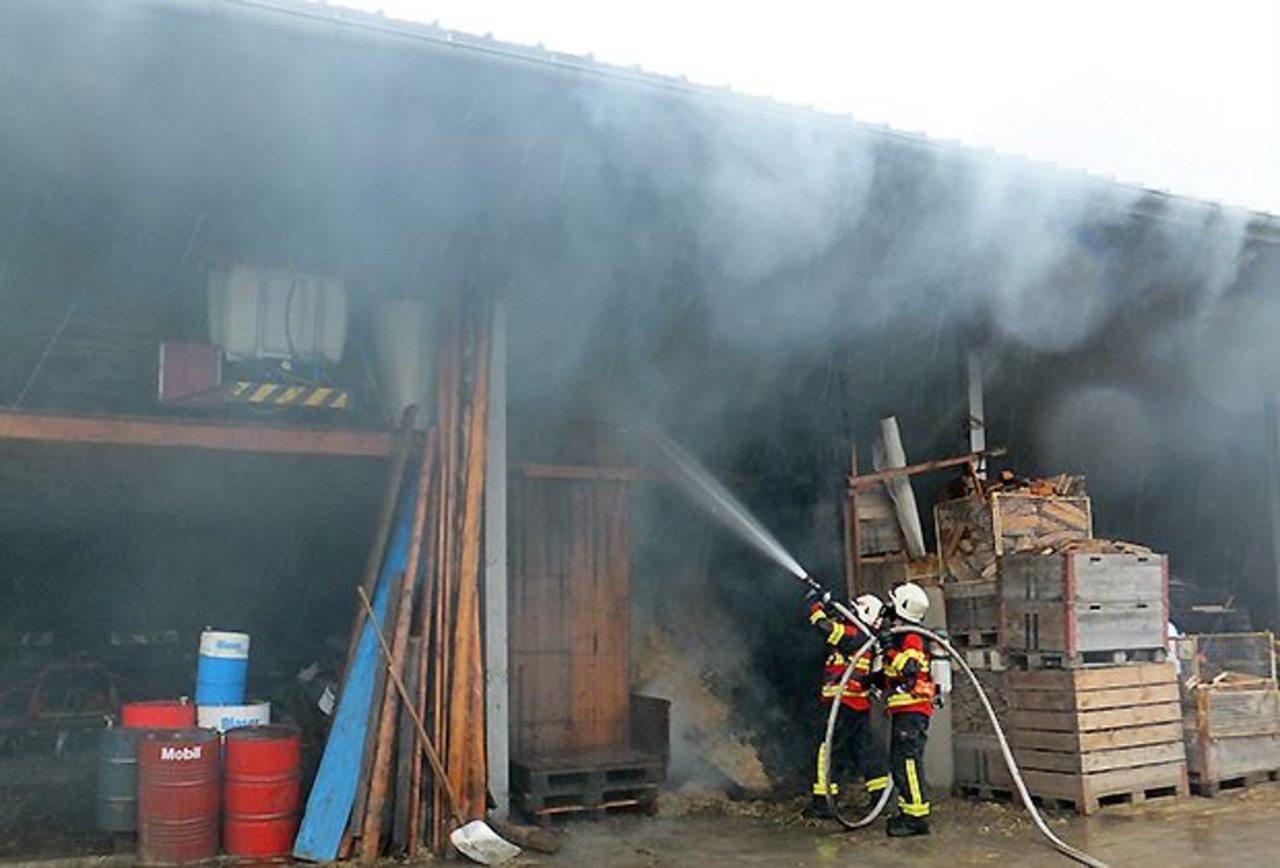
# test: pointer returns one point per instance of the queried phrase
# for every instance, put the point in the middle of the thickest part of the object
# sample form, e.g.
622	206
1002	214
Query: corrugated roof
1262	226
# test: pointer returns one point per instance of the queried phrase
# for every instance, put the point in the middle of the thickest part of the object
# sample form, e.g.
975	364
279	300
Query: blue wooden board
334	791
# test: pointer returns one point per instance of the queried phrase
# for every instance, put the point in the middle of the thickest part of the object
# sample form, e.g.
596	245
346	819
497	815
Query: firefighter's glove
816	597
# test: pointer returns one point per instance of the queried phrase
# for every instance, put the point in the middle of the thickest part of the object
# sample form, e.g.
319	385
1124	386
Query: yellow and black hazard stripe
288	395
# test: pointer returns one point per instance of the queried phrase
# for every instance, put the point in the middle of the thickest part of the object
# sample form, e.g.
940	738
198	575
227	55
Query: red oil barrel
261	793
159	714
177	796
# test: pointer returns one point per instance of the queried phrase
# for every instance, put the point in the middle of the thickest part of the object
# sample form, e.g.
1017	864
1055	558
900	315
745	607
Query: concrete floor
1238	828
1234	829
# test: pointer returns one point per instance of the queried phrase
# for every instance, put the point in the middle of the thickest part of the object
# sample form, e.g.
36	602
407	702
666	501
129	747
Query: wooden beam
869	480
134	431
583	471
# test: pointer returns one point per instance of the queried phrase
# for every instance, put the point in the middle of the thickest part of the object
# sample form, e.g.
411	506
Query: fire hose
1058	844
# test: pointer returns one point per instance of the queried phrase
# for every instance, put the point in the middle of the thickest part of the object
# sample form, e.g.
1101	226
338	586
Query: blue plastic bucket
223	668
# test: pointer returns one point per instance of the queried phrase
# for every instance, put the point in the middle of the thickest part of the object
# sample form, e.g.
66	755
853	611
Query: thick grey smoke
763	283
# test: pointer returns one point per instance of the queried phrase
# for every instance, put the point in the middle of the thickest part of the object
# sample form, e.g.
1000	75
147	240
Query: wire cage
1227	660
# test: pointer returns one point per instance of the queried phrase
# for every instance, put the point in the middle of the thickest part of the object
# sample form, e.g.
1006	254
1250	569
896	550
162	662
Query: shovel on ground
475	839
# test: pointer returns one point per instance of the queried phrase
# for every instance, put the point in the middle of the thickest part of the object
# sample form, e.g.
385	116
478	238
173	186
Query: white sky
1177	95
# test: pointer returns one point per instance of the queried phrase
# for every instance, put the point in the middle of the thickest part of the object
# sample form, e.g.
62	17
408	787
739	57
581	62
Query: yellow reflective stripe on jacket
837	633
830	690
816	615
900	660
897	700
840	660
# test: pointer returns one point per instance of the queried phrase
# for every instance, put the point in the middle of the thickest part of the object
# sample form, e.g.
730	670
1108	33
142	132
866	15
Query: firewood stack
1068	634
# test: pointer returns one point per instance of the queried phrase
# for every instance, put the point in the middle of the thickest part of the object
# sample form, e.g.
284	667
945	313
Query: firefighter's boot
819	809
903	826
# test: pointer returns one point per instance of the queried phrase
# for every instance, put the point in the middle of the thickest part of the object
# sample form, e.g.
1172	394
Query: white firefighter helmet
910	602
869	609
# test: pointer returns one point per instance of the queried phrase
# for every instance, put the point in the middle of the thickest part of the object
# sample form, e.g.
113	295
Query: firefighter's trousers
908	732
854	751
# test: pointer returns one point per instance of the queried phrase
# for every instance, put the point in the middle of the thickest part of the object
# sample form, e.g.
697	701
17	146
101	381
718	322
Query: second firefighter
854	750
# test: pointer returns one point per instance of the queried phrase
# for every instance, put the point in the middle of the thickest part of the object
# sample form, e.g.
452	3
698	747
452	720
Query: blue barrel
223	668
118	780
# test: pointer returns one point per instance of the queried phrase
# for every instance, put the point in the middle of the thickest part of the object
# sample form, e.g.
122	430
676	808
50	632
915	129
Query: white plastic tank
403	332
264	313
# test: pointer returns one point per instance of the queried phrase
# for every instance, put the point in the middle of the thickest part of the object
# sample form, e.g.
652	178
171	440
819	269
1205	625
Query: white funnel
402	333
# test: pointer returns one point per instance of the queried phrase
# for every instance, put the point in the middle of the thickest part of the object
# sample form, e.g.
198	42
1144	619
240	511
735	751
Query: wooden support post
855	533
977	414
371	836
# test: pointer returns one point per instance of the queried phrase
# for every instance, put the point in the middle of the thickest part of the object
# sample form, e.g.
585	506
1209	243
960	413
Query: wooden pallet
1090	792
996	793
975	639
990	659
1023	659
585	773
1214	788
593	803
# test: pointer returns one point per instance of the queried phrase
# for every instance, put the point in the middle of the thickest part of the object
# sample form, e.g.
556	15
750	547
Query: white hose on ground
1061	846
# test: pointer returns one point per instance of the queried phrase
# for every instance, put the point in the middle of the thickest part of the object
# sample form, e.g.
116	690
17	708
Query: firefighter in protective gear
910	691
853	747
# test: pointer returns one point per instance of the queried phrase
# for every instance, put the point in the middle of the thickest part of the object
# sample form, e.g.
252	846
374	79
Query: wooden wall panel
570	555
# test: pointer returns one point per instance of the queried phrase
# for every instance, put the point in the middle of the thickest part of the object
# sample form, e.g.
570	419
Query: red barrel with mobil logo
177	796
159	714
260	799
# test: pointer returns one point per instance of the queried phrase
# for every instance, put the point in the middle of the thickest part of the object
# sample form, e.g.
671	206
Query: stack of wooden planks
372	791
1231	710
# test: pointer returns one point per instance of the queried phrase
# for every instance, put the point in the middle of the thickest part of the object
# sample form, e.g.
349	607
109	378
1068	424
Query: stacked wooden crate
1092	735
1073	609
975	534
1067	635
1231	709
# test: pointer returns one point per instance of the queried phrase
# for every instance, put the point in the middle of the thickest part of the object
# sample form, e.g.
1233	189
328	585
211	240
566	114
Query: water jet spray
706	490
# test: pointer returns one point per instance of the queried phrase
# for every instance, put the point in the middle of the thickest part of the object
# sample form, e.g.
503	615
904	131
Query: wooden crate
973	532
1216	764
1074	609
1217	713
1234	658
973	613
1091	736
